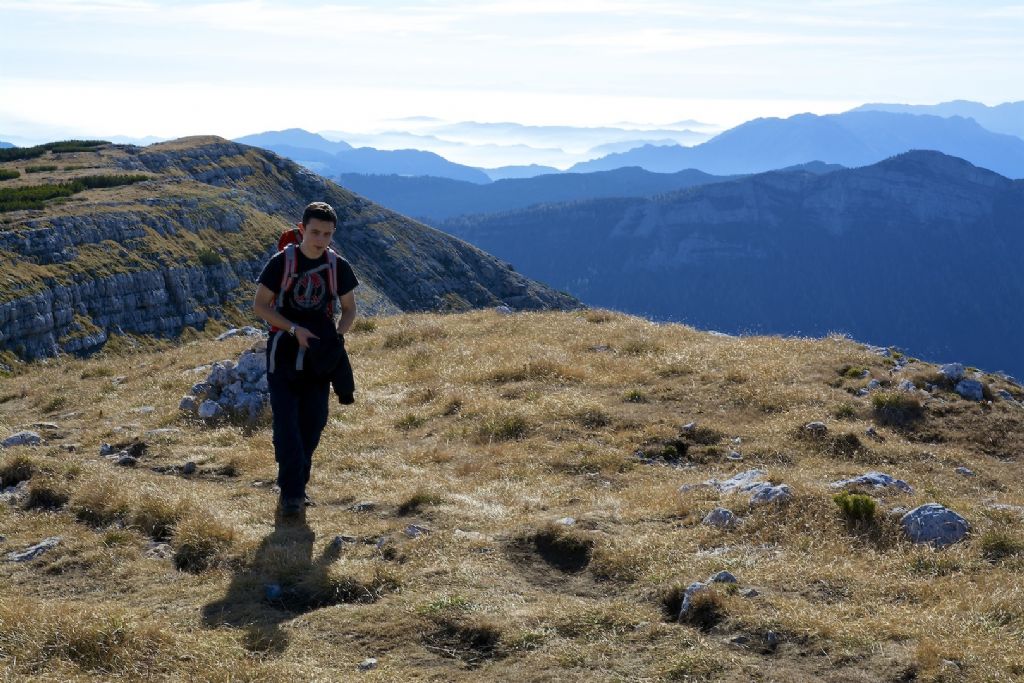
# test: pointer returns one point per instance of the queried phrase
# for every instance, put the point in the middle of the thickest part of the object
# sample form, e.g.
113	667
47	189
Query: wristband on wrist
291	330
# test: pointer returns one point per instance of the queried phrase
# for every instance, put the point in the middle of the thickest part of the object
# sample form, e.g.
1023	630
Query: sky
100	68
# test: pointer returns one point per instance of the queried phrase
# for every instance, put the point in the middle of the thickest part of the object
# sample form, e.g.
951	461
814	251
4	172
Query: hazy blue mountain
1003	118
626	145
4	145
294	138
922	250
436	199
334	158
409	162
505	172
852	139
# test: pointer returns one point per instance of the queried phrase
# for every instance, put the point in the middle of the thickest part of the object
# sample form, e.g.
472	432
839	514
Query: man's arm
348	312
263	305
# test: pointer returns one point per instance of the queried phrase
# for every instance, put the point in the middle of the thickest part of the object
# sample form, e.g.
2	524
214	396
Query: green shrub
857	508
35	196
8	174
42	168
208	257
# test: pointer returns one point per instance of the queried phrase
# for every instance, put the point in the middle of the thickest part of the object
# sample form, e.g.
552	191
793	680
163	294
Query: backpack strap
332	279
291	265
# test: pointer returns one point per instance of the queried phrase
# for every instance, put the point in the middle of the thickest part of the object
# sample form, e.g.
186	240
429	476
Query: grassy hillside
488	431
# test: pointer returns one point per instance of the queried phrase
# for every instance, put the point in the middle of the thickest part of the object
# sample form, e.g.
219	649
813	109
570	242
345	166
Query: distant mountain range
854	138
4	145
334	158
1003	118
921	250
438	199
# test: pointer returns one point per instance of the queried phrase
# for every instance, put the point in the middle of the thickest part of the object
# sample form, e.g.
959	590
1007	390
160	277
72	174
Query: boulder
971	389
188	404
691	590
816	429
874	479
722	518
954	372
22	439
722	577
209	410
935	524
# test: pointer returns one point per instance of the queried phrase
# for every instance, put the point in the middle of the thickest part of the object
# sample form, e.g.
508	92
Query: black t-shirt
307	302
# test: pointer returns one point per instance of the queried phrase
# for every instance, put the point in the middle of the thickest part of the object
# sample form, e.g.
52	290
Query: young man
303	331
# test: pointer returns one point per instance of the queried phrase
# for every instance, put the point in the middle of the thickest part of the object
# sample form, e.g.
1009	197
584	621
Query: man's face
317	235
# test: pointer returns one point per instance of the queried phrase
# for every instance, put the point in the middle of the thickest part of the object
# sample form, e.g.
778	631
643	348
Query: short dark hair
320	210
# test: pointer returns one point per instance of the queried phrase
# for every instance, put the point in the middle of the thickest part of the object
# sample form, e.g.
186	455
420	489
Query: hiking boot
291	506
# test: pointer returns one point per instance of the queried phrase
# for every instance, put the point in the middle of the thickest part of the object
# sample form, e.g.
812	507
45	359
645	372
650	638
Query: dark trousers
300	415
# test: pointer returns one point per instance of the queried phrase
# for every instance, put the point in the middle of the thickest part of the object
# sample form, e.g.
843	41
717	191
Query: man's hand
304	335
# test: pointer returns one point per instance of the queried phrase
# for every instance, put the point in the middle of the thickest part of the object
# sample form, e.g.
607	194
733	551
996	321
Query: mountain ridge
184	247
890	253
857	138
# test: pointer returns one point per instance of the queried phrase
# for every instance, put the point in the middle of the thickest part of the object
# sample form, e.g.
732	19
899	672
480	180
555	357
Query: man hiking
298	294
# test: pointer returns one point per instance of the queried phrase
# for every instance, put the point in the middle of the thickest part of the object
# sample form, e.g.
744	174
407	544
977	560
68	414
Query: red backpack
289	244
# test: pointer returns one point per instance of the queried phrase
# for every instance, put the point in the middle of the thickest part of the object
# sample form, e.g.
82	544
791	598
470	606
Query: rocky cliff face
186	246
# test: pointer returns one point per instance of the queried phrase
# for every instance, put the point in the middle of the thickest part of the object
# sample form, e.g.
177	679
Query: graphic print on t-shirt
310	289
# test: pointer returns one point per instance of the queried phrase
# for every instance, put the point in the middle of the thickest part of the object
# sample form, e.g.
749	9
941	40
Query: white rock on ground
954	372
35	551
935	524
877	480
722	518
25	438
971	389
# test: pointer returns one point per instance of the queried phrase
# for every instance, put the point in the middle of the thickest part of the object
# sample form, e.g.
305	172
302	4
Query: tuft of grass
598	316
46	493
409	422
54	404
16	469
540	370
896	408
639	347
156	516
417	501
998	544
364	326
844	411
503	427
99	503
198	542
40	168
592	418
634	396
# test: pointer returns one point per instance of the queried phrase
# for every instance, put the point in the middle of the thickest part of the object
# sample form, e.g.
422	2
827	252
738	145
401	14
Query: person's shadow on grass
280	582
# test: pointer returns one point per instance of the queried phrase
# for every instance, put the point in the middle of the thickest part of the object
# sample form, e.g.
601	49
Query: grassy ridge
486	429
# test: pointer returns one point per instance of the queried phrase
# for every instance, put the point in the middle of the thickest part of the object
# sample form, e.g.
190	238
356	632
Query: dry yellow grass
486	430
